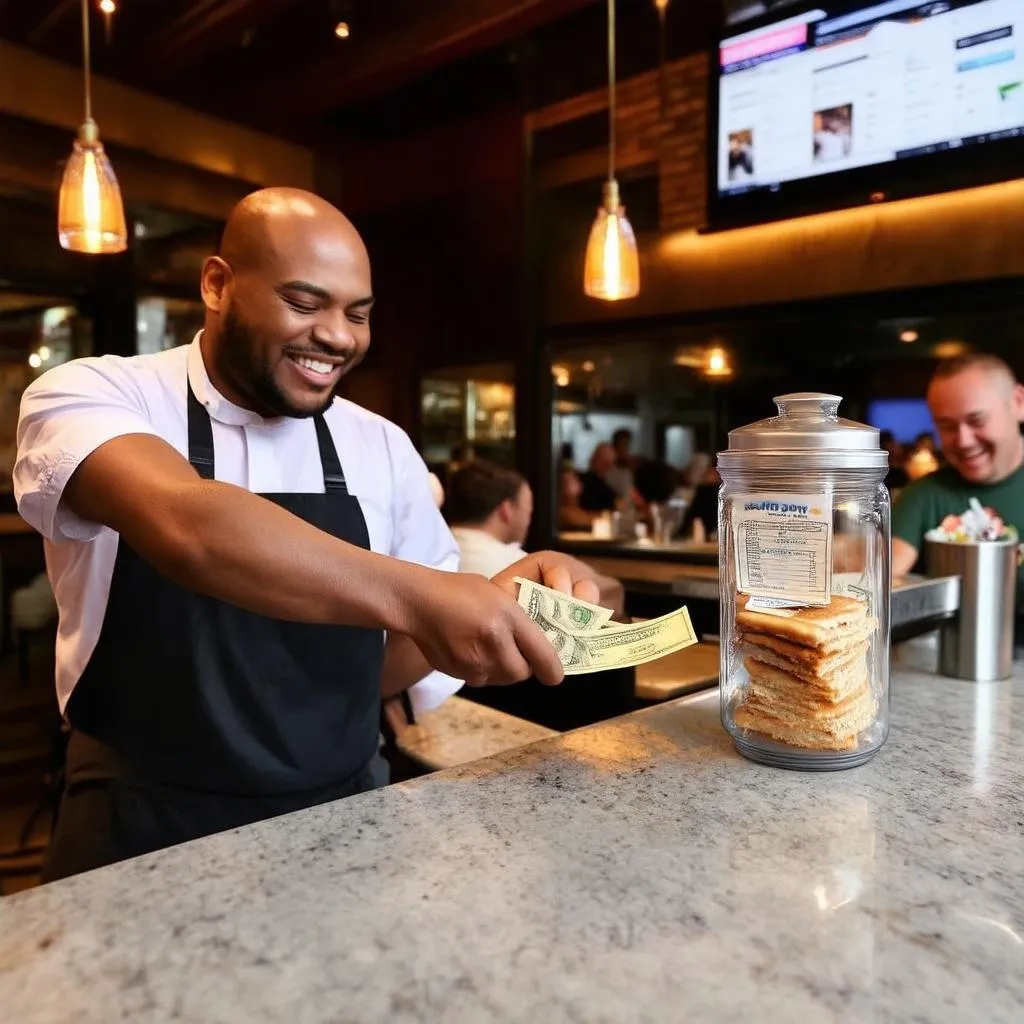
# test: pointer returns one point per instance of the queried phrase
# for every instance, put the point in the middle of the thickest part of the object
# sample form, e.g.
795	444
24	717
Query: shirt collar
213	401
474	534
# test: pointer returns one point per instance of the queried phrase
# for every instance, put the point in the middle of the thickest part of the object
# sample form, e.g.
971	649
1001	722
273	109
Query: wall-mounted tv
844	103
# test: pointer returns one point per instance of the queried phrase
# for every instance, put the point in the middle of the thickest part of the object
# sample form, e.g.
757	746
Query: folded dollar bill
587	641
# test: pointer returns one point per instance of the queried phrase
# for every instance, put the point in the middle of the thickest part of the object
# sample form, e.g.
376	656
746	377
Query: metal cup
978	643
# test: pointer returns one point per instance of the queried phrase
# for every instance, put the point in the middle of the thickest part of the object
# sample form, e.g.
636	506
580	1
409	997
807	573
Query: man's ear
1018	402
217	274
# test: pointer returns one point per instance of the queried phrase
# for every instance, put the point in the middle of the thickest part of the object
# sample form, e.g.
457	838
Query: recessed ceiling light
341	30
909	337
108	6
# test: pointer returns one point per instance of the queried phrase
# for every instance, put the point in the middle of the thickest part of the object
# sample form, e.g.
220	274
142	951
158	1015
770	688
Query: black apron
194	715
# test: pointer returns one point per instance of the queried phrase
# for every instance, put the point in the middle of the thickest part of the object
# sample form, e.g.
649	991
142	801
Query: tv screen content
907	418
844	87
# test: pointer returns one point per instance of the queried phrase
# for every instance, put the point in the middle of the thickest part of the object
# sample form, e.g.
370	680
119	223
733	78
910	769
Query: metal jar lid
807	433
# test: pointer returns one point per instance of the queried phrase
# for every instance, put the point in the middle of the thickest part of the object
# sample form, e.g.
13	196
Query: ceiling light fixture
108	9
612	268
342	30
909	337
716	363
662	8
90	214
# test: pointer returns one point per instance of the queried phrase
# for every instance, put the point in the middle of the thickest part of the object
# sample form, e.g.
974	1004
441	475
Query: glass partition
638	413
468	412
164	323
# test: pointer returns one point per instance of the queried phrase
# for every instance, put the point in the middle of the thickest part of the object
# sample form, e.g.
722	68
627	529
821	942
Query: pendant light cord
611	90
86	60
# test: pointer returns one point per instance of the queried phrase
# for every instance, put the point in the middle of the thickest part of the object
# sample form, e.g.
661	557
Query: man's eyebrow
323	294
305	286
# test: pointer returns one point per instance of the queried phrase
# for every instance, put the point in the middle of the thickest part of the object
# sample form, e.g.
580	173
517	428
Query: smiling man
978	406
243	563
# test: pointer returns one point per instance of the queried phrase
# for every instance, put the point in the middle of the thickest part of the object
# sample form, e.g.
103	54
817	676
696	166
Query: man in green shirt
978	406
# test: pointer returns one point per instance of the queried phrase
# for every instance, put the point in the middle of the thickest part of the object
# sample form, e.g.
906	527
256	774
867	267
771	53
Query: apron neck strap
200	447
334	475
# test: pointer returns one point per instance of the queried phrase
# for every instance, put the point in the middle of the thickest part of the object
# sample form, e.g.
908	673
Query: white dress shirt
75	408
481	553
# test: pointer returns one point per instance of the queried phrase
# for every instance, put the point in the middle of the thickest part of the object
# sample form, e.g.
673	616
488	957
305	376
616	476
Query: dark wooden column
112	304
533	381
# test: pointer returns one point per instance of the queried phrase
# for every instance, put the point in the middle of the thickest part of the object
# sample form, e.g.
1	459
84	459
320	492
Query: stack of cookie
808	673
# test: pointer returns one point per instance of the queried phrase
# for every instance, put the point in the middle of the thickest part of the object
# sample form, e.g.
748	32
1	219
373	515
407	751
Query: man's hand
469	628
552	569
478	633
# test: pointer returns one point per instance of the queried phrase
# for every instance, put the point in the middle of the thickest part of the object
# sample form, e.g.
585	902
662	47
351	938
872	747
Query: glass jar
804	544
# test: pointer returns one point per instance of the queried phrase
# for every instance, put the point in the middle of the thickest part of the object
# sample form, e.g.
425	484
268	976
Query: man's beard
253	378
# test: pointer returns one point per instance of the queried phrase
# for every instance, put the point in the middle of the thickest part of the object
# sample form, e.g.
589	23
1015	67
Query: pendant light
662	8
612	269
90	211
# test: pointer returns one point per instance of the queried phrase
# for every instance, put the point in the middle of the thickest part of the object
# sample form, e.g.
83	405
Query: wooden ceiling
277	64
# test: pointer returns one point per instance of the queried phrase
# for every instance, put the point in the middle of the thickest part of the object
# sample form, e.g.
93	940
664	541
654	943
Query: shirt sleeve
66	415
421	535
911	515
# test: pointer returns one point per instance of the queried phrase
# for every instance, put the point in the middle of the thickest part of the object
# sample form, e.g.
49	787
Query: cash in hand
587	641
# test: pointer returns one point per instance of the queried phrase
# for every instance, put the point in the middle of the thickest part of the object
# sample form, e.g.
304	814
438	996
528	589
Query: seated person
896	478
620	476
978	406
656	481
570	515
597	494
489	509
656	484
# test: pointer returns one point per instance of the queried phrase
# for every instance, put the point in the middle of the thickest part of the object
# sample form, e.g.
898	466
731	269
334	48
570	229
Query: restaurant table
636	870
585	545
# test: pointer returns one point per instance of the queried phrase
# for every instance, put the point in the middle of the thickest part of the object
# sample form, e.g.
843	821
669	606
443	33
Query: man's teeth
316	365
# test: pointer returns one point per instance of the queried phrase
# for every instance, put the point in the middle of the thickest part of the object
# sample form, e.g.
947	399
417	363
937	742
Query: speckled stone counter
461	730
634	871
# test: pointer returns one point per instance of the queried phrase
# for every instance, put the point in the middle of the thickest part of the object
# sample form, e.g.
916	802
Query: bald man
978	406
244	563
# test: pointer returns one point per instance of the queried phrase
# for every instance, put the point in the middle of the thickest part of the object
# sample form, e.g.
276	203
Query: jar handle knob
806	405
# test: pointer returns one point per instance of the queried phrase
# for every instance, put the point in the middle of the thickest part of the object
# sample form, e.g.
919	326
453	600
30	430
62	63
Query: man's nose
333	331
964	436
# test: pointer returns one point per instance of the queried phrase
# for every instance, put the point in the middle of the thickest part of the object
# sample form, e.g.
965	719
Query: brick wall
662	119
680	130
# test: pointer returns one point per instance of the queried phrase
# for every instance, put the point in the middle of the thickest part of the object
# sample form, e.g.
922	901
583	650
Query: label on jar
784	546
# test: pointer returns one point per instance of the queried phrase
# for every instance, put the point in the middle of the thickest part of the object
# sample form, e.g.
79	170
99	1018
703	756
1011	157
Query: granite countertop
461	730
637	870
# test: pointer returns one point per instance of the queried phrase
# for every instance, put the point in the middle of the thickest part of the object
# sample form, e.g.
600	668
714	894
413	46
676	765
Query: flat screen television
844	103
907	418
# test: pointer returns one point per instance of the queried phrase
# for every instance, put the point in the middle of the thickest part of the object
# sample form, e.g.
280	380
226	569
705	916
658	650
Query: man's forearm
904	557
224	541
404	665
